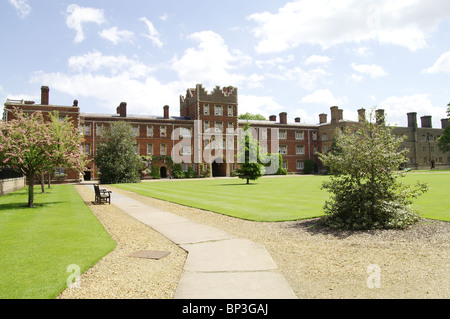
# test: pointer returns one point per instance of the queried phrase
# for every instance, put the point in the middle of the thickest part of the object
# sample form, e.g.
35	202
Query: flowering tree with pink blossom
32	145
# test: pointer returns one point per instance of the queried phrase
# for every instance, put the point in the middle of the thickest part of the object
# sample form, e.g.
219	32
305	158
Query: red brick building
207	131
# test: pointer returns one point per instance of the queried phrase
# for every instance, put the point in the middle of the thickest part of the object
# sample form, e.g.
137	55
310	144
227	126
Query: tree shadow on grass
8	207
243	184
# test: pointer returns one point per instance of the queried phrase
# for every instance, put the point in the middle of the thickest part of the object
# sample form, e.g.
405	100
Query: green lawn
279	198
267	199
38	244
435	204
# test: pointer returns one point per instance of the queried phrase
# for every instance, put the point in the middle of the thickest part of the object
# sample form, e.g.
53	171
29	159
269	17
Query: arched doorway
219	169
163	172
87	175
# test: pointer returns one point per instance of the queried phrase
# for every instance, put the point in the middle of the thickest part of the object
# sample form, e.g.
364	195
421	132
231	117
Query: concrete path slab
228	255
218	265
234	285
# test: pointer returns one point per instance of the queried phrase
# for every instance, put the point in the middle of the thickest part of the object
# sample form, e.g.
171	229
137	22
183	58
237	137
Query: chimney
273	118
334	114
122	109
379	114
44	95
166	111
340	114
445	123
426	121
283	118
75	103
412	119
361	115
297	120
322	118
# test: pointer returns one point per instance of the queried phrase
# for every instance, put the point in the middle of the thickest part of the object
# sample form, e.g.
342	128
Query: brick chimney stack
122	109
273	118
361	115
426	121
45	95
379	114
297	120
412	119
283	118
322	118
340	114
334	114
166	111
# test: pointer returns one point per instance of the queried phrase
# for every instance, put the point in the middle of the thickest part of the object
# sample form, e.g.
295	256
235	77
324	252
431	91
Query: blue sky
300	57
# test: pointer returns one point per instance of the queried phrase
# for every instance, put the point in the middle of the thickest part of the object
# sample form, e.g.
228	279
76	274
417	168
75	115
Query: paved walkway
219	265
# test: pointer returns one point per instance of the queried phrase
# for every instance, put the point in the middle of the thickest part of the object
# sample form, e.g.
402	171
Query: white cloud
307	79
363	51
95	62
328	23
323	97
274	61
317	59
153	34
164	17
442	64
109	80
77	16
211	62
22	7
396	108
115	35
372	70
264	105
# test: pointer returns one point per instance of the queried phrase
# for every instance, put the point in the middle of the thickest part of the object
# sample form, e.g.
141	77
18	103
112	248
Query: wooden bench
102	195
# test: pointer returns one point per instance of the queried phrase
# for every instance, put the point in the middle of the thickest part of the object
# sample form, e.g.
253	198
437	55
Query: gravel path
317	264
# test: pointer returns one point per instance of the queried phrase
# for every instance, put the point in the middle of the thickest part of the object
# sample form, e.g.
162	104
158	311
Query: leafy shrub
177	171
190	173
364	187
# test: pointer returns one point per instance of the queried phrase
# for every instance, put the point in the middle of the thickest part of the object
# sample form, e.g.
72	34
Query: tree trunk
248	181
49	176
30	177
42	183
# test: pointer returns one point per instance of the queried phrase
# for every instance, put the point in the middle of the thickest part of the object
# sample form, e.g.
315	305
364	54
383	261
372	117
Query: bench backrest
97	190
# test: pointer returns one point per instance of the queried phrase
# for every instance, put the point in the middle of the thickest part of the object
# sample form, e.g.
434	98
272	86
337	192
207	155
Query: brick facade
212	118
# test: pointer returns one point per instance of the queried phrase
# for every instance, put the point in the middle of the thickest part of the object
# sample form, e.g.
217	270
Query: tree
28	143
365	190
116	157
251	168
250	116
444	140
66	150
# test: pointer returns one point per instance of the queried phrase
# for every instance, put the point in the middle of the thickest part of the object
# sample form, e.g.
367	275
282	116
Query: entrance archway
163	172
219	169
87	175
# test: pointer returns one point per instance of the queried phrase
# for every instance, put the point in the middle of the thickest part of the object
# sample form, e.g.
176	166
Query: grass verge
38	244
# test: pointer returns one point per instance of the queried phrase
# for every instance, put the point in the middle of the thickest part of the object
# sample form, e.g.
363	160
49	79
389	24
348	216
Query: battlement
226	94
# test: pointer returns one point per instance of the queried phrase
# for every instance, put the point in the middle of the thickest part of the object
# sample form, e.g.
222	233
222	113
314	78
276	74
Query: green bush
190	173
309	166
155	172
177	171
364	186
